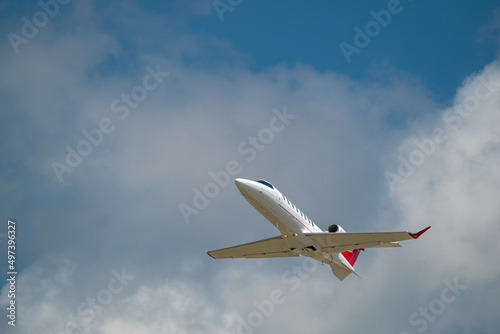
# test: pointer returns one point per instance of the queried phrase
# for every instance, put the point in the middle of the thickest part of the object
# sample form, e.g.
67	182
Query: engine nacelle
334	228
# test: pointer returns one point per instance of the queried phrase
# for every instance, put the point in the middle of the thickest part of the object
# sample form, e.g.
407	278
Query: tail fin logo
352	256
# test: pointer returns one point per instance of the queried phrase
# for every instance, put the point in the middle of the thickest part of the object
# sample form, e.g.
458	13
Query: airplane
300	236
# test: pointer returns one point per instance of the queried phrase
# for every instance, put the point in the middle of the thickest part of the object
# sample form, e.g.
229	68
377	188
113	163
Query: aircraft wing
340	242
272	247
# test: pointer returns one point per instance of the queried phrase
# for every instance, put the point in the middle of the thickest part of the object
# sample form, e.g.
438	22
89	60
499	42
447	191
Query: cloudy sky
116	115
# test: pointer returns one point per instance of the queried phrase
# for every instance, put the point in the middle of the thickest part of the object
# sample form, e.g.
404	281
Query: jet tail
352	256
339	271
342	272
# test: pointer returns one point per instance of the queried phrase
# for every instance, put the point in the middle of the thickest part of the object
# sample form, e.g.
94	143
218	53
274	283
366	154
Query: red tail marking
352	256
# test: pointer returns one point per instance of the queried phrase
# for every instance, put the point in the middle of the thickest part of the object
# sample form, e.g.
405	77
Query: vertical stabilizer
352	256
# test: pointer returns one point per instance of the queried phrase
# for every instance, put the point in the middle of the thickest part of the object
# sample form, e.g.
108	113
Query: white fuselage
288	219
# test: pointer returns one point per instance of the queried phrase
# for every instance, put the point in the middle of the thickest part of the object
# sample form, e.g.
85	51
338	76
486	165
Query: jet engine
334	228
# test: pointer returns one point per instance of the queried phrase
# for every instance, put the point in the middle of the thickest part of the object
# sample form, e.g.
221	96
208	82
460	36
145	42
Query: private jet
300	236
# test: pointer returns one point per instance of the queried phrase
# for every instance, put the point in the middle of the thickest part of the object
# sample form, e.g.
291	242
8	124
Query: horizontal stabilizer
340	272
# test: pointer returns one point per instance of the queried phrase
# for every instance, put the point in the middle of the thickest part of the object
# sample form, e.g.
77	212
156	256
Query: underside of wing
272	247
340	242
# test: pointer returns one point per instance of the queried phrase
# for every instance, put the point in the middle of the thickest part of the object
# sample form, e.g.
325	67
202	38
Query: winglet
416	235
208	253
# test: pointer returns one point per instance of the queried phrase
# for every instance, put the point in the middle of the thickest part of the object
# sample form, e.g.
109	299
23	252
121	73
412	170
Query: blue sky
420	40
114	114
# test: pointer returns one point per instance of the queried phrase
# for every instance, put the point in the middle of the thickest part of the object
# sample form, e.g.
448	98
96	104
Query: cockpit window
266	183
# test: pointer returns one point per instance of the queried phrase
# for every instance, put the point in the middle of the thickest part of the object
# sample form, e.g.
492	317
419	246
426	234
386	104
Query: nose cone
241	184
247	186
